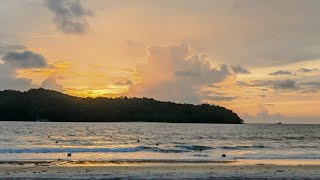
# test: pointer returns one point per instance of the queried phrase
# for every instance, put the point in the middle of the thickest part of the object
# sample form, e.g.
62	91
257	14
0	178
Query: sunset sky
259	58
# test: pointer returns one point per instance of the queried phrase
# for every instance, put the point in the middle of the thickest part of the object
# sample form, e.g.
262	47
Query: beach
159	89
48	150
90	170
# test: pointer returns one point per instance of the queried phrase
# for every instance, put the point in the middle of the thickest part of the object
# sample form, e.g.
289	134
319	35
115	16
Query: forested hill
49	105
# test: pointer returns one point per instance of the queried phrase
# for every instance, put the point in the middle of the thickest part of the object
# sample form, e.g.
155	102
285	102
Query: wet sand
120	170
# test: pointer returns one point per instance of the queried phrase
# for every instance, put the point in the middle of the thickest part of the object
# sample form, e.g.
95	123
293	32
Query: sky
260	59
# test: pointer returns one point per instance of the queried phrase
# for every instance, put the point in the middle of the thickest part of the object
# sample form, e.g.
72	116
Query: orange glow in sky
236	55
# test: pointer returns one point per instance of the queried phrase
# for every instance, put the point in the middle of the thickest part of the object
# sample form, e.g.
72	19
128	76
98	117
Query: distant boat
279	123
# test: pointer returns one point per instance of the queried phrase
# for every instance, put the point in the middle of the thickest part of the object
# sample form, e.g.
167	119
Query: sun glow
112	92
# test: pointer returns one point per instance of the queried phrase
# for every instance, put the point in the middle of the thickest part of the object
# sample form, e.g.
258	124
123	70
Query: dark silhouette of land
37	104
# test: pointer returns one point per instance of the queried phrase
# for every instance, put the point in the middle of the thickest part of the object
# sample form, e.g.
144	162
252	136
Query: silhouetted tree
55	106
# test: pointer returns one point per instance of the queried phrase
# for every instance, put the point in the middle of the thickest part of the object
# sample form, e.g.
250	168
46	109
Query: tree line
47	105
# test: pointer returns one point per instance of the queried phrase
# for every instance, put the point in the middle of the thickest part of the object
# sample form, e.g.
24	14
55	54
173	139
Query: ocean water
25	141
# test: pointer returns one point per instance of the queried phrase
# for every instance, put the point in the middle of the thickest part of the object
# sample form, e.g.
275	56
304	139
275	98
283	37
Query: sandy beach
164	151
86	170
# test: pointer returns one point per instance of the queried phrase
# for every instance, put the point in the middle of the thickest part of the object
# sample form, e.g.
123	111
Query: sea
157	142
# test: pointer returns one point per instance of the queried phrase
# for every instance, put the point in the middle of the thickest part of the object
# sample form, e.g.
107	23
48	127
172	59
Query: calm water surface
157	141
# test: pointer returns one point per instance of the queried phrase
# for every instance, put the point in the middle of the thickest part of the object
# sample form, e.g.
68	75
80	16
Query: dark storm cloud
70	16
239	70
277	73
25	59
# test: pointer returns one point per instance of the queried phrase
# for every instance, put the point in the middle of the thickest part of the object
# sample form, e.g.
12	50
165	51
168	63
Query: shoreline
168	161
84	170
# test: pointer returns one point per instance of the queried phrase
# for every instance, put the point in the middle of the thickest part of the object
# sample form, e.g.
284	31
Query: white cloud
264	116
176	73
8	79
51	84
15	60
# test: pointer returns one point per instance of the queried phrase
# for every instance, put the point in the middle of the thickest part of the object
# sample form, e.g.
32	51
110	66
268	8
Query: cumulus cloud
277	73
12	83
70	15
25	59
239	70
8	79
176	73
264	116
15	60
51	84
